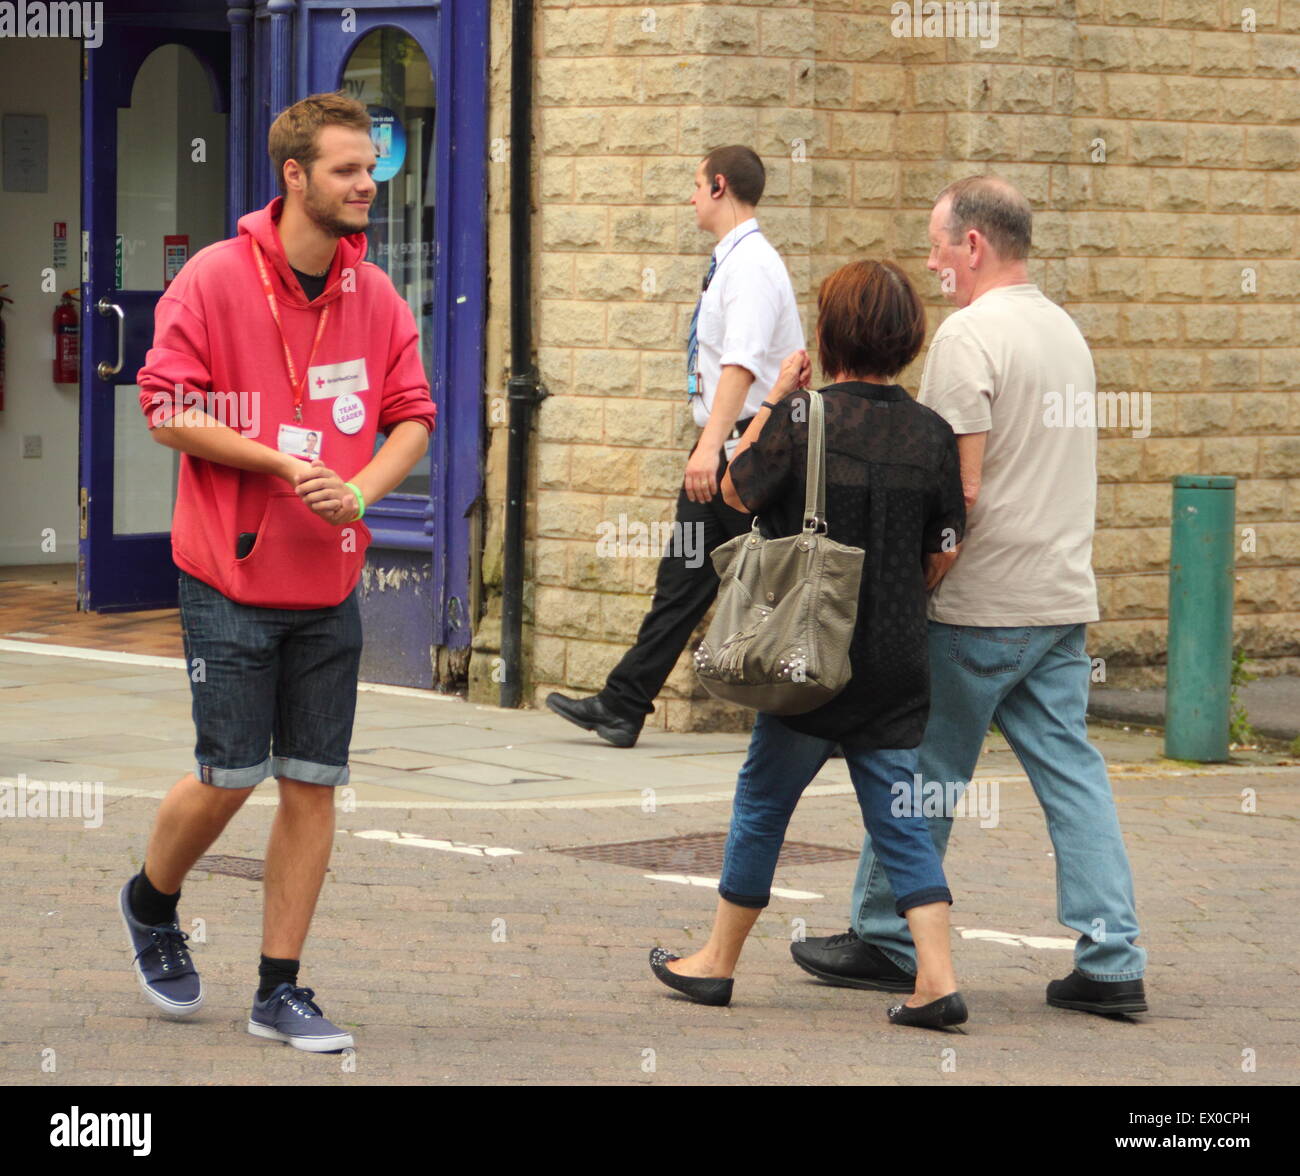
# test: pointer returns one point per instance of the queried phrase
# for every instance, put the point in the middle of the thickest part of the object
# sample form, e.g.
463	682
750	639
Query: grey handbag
779	639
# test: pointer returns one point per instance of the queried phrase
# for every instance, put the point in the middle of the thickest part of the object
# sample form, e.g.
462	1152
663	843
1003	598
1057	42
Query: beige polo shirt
995	366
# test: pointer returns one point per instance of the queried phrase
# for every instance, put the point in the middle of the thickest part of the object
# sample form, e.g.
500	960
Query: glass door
421	69
154	142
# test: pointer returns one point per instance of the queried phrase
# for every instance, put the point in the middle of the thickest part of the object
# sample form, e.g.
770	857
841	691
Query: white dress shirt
748	317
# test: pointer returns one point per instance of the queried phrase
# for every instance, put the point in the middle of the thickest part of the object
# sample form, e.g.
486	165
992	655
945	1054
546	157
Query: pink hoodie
216	346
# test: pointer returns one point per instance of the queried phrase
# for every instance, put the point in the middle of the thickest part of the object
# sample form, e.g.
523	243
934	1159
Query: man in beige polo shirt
1010	608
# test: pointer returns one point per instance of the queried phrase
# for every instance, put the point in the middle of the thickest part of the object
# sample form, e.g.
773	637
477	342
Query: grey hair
993	207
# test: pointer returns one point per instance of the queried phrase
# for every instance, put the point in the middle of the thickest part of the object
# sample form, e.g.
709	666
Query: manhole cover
696	853
236	867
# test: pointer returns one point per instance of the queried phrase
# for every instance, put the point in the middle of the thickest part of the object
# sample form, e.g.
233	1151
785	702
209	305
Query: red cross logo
320	382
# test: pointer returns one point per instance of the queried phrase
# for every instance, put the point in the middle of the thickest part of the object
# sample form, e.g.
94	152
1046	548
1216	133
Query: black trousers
682	596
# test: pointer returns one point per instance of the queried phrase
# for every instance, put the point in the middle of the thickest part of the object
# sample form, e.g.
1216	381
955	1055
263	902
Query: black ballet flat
706	990
938	1014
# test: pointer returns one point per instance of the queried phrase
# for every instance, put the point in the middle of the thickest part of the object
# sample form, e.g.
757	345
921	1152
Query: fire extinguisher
67	339
3	300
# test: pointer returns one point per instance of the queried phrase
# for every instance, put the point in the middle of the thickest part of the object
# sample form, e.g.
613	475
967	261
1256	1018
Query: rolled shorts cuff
920	897
744	900
249	777
328	775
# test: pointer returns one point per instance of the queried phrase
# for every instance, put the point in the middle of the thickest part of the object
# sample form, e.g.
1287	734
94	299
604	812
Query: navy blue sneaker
289	1014
162	962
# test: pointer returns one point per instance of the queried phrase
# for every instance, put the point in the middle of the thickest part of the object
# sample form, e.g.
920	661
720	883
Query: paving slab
404	953
454	968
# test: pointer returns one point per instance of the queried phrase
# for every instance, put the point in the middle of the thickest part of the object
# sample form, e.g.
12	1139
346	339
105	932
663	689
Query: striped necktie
693	343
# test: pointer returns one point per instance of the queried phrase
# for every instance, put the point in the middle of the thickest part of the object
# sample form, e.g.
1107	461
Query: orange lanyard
275	314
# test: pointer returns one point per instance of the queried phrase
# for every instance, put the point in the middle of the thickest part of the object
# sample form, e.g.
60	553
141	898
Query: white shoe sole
170	1007
311	1044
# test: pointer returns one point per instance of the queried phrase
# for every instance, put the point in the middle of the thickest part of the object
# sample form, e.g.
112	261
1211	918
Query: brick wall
1158	145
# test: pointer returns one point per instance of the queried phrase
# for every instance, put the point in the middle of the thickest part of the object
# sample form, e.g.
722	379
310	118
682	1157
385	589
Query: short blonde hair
295	133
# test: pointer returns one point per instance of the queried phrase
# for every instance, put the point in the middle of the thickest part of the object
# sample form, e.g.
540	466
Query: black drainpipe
524	388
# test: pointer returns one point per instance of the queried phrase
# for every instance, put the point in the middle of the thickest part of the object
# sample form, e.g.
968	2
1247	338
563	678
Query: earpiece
716	190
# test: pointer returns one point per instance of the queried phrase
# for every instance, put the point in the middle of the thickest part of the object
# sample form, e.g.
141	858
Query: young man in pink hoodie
285	333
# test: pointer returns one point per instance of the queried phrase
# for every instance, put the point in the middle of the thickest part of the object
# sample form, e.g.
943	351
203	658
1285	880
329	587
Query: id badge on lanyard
296	384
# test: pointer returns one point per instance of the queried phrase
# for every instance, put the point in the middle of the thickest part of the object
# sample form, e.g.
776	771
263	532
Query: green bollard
1201	563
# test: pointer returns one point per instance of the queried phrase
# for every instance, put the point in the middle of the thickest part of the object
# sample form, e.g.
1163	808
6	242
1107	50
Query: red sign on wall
176	252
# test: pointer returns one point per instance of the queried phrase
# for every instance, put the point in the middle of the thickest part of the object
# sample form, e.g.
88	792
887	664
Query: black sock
272	973
150	906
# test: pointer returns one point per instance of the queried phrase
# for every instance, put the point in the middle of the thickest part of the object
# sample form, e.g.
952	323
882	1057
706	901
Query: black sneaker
847	961
593	715
1109	998
161	962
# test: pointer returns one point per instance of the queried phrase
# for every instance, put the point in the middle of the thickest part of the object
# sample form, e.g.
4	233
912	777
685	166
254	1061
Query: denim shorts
274	690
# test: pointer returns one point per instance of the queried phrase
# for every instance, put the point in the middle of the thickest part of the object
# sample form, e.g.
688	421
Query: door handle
105	370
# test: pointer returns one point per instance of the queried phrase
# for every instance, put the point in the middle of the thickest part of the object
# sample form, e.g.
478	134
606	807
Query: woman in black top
893	488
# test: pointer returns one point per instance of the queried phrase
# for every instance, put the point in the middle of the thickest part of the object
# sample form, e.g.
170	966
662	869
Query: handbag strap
814	499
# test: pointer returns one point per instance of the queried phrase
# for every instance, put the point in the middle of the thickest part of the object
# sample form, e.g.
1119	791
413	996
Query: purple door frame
454	37
260	53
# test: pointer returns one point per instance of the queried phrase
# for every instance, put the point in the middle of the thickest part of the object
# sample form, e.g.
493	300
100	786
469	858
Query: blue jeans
780	765
273	690
1033	682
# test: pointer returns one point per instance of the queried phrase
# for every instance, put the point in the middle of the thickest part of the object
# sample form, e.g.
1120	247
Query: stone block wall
1158	142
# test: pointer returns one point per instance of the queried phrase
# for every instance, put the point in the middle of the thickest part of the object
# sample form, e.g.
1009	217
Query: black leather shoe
943	1013
848	962
1109	998
705	990
593	715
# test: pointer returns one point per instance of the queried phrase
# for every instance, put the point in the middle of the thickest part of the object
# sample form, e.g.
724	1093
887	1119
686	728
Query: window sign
389	138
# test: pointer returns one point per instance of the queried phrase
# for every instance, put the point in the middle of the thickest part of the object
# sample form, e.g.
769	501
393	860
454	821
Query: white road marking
695	880
100	655
435	843
1047	942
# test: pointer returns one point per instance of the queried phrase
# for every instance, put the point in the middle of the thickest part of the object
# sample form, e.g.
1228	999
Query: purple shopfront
177	102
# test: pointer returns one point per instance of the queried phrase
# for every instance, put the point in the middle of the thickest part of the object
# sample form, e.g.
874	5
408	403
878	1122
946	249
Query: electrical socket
31	445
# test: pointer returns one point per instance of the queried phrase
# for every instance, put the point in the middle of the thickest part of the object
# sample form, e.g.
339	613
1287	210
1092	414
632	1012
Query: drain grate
236	867
696	853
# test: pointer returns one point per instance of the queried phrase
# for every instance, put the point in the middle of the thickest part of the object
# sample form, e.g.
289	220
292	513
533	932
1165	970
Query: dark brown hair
294	134
870	321
744	172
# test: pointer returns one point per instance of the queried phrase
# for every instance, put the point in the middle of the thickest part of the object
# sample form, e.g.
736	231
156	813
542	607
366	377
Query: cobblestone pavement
476	967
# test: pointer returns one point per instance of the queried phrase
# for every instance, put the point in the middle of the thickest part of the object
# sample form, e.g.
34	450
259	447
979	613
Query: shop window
171	202
389	72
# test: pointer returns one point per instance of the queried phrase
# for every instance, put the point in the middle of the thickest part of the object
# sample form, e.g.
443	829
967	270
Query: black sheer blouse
893	488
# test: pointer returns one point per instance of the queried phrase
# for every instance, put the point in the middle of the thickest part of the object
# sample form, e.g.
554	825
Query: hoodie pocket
298	559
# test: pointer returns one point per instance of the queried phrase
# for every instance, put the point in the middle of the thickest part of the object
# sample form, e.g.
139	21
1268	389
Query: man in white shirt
745	324
1010	607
